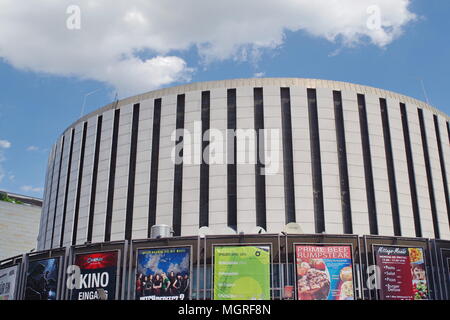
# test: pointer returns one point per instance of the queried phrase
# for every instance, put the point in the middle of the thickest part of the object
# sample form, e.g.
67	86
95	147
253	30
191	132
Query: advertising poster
163	274
324	272
402	273
242	273
42	279
8	278
448	278
448	268
98	271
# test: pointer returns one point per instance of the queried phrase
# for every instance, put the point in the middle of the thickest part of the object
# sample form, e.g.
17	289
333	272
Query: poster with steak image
42	279
163	274
324	272
98	271
402	273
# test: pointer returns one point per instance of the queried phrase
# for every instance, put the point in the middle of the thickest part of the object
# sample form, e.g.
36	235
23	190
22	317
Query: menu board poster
98	271
163	274
402	273
8	279
242	272
42	279
324	272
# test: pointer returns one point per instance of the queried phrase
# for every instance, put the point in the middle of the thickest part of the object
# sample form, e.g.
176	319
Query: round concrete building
251	156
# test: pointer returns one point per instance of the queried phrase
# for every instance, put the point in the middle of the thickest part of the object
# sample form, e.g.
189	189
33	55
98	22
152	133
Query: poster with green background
242	273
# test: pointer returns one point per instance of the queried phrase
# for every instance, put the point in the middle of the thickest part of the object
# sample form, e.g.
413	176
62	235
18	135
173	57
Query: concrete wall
19	225
54	200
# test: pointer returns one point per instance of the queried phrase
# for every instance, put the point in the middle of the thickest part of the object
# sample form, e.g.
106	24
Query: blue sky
38	101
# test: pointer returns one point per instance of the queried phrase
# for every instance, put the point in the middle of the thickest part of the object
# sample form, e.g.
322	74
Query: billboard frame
59	285
447	268
18	266
323	245
136	251
373	245
213	260
118	273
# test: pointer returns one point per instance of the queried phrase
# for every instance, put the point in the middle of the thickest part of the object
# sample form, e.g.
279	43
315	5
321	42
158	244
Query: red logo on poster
97	260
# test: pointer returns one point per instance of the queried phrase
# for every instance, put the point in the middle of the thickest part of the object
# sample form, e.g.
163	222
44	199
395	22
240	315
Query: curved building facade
336	158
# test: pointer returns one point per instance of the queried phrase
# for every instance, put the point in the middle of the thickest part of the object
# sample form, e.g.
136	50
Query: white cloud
32	148
259	74
183	266
153	264
31	189
5	144
33	35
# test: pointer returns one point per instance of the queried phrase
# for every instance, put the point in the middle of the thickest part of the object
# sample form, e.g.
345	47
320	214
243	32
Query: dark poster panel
98	271
448	278
402	273
163	274
42	279
448	269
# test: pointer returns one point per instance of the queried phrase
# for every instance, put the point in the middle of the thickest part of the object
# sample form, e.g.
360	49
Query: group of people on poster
163	274
162	285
